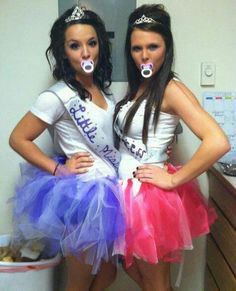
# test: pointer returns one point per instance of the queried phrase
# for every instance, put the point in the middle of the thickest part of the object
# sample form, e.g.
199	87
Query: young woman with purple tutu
80	215
164	210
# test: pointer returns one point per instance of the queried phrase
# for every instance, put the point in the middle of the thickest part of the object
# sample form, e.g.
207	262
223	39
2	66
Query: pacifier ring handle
146	70
87	66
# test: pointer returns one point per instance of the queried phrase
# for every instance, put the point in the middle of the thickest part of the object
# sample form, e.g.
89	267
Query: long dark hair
62	70
158	82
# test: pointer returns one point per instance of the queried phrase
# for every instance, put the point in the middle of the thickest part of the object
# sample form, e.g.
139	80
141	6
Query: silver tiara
144	19
77	14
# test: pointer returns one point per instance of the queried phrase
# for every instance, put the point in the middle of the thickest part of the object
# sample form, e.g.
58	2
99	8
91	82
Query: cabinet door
210	283
224	199
224	235
219	268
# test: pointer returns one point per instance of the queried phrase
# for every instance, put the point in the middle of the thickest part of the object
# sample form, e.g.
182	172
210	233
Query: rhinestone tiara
77	14
144	19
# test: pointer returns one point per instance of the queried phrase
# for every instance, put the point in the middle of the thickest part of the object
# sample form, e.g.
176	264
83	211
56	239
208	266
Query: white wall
24	30
203	31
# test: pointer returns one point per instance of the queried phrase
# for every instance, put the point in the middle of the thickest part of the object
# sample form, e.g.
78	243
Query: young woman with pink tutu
164	208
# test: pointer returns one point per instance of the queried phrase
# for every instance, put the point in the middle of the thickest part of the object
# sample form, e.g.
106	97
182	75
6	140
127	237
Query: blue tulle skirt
80	218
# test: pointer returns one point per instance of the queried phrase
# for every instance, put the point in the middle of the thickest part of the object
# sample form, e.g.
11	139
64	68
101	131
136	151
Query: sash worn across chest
94	135
138	149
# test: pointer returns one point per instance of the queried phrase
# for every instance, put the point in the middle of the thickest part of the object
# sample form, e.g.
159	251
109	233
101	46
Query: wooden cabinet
221	243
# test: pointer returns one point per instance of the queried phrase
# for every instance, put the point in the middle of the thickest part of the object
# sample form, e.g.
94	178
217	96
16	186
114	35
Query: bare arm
214	142
180	100
22	137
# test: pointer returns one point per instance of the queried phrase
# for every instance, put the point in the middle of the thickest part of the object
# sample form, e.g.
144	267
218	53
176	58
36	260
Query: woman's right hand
79	163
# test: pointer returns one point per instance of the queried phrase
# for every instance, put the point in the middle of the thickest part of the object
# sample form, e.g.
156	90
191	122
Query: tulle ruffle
82	218
160	224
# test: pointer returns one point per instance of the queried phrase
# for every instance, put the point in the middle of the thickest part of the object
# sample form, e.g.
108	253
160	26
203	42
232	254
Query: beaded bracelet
54	172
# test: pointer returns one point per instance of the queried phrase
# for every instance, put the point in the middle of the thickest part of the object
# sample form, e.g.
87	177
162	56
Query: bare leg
155	276
79	276
134	273
105	277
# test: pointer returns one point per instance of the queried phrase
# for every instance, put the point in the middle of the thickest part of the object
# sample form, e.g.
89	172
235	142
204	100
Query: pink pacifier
146	70
87	66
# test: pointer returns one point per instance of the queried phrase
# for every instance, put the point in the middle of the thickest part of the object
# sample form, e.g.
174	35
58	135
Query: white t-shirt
67	138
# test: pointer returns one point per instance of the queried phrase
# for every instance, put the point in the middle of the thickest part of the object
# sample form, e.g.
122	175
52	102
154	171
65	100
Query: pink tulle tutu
160	224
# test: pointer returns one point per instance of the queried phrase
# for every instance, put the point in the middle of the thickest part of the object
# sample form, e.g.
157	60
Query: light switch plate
208	72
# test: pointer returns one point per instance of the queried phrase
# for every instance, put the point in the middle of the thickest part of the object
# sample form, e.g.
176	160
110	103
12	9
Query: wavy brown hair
62	70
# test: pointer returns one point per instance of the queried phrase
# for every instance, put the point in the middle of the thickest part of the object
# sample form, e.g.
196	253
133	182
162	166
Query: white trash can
27	276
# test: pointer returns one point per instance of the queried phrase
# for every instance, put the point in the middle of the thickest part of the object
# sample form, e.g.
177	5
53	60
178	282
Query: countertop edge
228	181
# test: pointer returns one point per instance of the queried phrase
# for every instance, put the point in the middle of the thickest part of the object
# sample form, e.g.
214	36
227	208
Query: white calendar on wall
222	106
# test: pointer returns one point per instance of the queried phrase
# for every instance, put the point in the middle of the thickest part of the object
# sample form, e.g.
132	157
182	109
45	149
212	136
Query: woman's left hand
155	175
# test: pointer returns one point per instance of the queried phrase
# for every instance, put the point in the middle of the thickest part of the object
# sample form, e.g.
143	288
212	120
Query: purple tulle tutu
69	215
